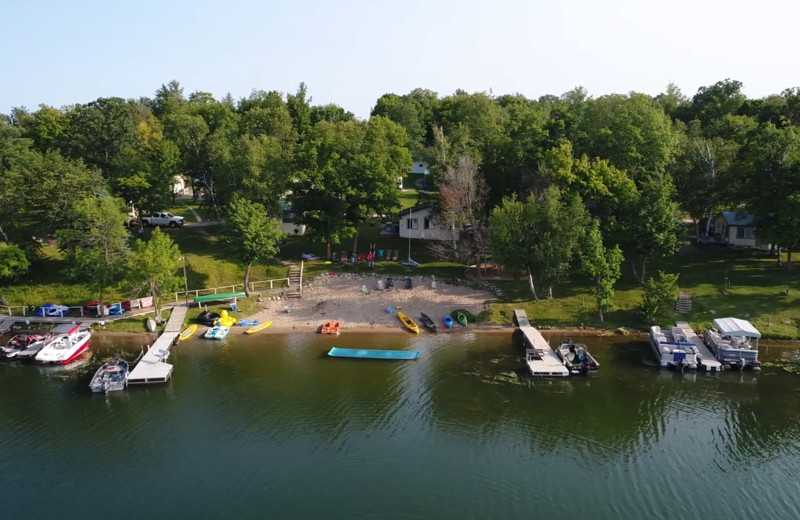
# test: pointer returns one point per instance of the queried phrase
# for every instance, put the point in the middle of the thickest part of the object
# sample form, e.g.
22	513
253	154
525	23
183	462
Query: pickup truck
162	219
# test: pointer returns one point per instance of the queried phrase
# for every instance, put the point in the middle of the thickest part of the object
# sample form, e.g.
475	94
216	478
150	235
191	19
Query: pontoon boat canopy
736	327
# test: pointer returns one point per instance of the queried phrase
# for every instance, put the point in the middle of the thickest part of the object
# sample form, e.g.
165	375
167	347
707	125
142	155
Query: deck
153	367
705	358
540	358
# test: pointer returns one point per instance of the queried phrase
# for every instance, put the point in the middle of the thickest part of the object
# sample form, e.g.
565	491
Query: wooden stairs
295	289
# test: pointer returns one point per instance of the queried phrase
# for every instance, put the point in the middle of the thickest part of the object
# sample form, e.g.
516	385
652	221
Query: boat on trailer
576	357
731	342
672	348
112	376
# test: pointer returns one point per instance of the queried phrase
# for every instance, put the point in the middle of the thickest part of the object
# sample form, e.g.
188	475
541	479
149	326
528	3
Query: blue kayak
248	323
374	354
448	321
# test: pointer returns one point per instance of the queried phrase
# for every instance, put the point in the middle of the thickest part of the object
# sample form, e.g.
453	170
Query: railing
194	293
8	309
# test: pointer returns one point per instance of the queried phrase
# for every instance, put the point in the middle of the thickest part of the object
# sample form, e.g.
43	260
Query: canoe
256	328
187	332
408	322
151	325
217	332
448	321
330	327
462	318
428	322
374	354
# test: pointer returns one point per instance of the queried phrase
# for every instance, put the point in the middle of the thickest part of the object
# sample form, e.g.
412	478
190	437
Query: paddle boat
374	354
187	332
217	332
408	322
428	322
258	327
330	327
447	321
113	375
576	357
461	318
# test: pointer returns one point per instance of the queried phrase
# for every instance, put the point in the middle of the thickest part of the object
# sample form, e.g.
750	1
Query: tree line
538	183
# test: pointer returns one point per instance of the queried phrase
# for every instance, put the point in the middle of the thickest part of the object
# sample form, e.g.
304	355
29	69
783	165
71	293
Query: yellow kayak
187	332
408	322
256	328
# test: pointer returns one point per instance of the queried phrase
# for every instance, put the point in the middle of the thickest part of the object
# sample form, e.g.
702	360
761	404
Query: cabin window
412	223
745	232
427	224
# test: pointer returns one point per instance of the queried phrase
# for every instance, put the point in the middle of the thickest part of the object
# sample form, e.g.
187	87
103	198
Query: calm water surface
270	427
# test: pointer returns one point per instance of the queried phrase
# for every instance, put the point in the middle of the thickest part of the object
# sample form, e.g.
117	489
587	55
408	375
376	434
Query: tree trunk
355	241
600	311
550	292
778	256
328	249
644	263
633	269
5	237
789	259
532	286
247	278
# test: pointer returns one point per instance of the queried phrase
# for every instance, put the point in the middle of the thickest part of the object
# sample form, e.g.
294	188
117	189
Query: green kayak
461	318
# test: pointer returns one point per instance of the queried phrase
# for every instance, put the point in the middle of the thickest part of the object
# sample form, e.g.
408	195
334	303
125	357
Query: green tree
251	233
99	241
13	262
602	265
153	268
658	296
540	236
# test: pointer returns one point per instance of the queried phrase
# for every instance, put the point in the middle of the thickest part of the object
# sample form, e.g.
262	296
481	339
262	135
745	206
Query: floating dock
374	354
705	359
152	368
540	358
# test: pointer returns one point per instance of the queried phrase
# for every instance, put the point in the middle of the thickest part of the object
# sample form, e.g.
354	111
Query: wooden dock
539	357
6	324
153	367
705	358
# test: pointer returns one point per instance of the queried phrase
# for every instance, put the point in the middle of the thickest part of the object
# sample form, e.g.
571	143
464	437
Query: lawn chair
289	308
334	257
365	290
395	255
234	307
381	254
381	285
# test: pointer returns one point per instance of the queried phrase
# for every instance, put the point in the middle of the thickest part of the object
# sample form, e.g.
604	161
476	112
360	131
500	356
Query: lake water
270	427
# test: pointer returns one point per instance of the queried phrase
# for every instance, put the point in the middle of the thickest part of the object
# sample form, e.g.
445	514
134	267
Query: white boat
218	332
672	348
113	375
731	342
69	342
19	343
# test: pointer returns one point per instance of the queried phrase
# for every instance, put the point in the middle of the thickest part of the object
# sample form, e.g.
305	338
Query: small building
419	168
735	228
289	222
178	185
421	222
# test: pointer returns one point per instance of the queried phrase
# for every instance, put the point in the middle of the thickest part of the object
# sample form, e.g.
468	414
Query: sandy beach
339	297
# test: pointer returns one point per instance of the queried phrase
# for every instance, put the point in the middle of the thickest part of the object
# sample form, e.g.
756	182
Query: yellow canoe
187	332
408	322
256	328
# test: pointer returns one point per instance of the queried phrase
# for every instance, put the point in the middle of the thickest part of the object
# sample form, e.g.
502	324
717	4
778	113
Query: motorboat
731	342
113	375
428	322
218	332
68	343
576	357
19	343
672	348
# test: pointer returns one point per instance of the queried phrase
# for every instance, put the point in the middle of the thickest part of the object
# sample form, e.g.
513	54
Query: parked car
163	219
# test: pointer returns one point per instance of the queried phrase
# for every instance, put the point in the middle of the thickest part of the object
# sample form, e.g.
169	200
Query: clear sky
350	52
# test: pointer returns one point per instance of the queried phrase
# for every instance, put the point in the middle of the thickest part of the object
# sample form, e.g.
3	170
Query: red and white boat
67	344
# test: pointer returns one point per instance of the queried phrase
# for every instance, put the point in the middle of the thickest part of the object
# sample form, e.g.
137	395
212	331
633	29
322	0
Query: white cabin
419	168
420	222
